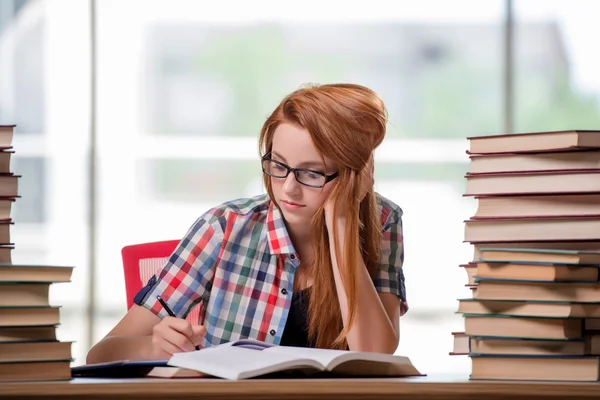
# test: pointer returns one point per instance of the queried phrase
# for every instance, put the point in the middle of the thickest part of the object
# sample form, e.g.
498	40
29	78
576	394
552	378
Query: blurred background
136	116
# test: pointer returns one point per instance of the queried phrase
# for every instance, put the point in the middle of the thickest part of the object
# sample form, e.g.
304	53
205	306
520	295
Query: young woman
317	261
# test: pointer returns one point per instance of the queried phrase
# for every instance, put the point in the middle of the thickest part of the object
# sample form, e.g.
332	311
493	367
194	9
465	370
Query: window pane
30	207
215	181
557	85
222	80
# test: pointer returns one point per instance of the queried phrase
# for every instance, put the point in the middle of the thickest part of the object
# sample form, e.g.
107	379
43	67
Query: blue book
118	369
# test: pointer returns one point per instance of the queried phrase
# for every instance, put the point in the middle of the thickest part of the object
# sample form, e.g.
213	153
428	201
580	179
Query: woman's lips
291	205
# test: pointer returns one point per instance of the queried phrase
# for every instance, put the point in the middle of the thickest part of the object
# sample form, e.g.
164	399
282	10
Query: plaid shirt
240	258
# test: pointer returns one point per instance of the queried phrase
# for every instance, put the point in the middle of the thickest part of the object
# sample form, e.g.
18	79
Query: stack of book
535	309
29	349
8	191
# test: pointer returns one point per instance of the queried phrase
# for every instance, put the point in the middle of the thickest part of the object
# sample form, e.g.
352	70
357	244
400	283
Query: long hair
346	122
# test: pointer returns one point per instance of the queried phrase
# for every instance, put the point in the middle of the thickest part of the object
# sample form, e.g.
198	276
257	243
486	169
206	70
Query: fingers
403	308
182	326
164	349
173	335
371	174
179	341
198	335
367	178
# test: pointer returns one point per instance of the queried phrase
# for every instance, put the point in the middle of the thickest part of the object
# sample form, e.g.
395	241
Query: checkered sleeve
390	278
187	276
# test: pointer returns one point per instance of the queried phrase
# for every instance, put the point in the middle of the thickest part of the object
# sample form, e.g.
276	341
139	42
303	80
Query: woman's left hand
367	181
367	178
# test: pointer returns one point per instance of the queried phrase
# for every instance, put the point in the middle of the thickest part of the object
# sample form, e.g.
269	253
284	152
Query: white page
322	356
332	358
233	362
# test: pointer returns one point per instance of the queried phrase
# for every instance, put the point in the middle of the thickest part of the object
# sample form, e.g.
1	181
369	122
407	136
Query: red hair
346	122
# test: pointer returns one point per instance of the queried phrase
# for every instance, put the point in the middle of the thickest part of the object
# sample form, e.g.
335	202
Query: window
31	207
44	54
557	84
185	90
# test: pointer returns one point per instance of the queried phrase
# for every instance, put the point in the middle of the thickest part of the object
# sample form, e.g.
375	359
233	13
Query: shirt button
292	256
284	291
272	332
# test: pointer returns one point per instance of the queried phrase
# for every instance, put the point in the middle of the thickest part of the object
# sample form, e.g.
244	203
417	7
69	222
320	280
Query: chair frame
132	255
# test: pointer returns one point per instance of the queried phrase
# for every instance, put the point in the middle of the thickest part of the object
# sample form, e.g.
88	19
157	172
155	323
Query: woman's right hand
175	335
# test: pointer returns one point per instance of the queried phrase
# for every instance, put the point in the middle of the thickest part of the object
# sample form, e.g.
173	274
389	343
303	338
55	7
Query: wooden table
407	388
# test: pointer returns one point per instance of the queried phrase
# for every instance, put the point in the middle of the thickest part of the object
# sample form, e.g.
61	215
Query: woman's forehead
293	144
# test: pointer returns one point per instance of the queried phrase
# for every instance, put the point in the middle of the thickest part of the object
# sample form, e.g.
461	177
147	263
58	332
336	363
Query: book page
323	356
238	362
353	362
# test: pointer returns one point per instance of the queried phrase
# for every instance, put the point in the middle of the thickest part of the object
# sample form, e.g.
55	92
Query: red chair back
141	261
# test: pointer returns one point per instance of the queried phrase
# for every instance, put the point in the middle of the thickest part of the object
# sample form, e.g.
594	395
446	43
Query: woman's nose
291	185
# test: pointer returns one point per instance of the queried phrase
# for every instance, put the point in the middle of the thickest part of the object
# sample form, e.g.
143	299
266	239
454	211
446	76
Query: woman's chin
295	217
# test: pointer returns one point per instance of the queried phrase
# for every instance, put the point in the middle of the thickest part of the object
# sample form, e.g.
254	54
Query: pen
165	306
168	310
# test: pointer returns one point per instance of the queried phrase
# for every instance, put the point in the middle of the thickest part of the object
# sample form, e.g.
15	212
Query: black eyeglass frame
328	178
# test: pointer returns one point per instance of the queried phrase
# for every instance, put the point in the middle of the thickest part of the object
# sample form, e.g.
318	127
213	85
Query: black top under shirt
295	332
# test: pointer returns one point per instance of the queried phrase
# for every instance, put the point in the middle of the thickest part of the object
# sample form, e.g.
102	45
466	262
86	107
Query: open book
248	358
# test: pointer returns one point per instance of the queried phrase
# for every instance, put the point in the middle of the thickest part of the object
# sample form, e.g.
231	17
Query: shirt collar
279	239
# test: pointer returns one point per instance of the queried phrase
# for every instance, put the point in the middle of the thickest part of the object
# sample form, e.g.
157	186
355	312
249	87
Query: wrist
339	222
147	348
332	219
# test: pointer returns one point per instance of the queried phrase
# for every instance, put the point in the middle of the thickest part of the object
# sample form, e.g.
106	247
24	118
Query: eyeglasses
307	177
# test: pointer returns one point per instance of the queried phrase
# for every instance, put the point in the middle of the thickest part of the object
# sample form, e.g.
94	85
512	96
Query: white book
248	358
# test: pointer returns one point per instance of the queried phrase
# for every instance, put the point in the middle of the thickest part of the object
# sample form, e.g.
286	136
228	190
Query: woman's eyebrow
306	164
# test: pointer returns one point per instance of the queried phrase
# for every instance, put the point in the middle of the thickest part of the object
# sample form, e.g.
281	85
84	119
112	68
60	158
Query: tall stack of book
535	310
8	191
29	349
